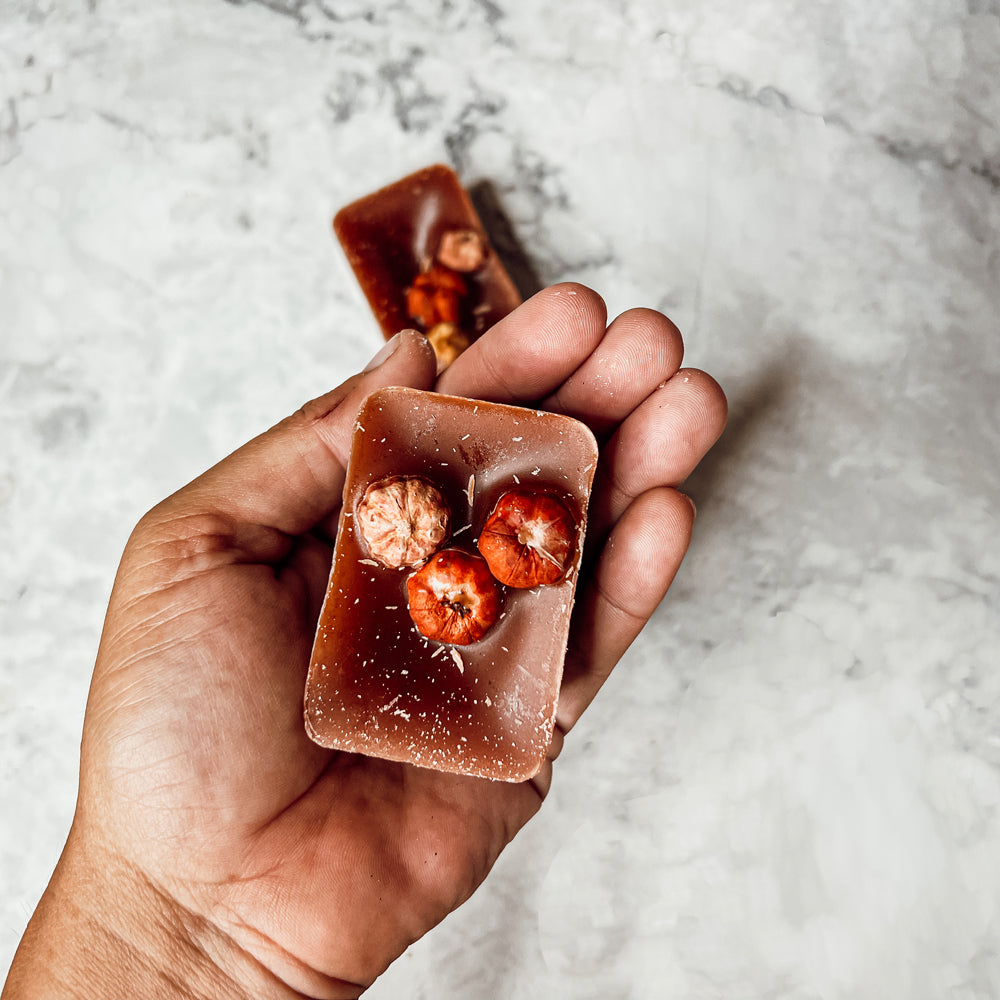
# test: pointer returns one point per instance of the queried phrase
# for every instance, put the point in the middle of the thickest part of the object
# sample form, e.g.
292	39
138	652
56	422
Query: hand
247	859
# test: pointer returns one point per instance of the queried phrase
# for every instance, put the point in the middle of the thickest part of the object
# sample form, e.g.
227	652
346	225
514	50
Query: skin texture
217	852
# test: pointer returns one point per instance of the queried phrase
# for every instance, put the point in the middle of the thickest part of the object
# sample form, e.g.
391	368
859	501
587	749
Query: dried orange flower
454	598
529	539
436	296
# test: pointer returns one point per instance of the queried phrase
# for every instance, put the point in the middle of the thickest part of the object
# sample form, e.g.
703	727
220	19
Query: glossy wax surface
375	684
389	236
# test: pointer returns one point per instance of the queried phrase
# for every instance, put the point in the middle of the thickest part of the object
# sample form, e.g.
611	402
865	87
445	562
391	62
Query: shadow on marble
504	239
754	403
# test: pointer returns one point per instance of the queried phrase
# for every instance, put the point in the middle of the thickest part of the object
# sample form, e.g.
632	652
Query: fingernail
690	501
383	355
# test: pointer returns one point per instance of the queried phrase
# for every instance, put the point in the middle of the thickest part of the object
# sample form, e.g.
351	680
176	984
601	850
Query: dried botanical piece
437	295
404	520
462	250
439	299
454	598
448	340
529	539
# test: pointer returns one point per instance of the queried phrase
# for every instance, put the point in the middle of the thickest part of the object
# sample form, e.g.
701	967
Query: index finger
533	350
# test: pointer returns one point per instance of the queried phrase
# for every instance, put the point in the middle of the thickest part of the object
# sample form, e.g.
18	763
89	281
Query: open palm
196	768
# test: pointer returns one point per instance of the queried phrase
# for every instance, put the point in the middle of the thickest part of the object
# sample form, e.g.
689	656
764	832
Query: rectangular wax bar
376	686
392	235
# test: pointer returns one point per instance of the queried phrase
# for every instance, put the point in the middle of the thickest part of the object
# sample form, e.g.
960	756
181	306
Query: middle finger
642	349
533	350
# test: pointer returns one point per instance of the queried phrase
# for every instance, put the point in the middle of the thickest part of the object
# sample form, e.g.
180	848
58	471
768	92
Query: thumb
292	476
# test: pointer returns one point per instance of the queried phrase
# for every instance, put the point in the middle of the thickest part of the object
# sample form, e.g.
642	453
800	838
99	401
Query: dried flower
529	539
403	519
462	250
436	296
448	341
454	598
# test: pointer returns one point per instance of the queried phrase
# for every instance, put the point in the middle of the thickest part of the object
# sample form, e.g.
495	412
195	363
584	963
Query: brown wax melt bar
376	685
392	235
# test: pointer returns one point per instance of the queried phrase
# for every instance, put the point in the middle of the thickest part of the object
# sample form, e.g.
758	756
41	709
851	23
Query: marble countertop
791	787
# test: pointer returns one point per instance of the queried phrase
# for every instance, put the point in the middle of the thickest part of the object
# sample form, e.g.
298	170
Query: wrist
102	929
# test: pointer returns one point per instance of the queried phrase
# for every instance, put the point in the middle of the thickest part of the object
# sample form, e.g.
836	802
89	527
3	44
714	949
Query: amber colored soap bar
391	235
376	686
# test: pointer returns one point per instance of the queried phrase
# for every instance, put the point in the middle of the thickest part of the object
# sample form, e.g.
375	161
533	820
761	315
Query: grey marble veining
790	789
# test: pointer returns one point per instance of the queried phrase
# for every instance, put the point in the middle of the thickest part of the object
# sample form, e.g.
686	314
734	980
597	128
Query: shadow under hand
761	404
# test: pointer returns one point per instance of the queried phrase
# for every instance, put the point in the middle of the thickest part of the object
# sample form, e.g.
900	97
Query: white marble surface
791	789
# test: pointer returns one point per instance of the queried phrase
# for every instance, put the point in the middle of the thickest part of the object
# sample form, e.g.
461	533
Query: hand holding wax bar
380	682
196	765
